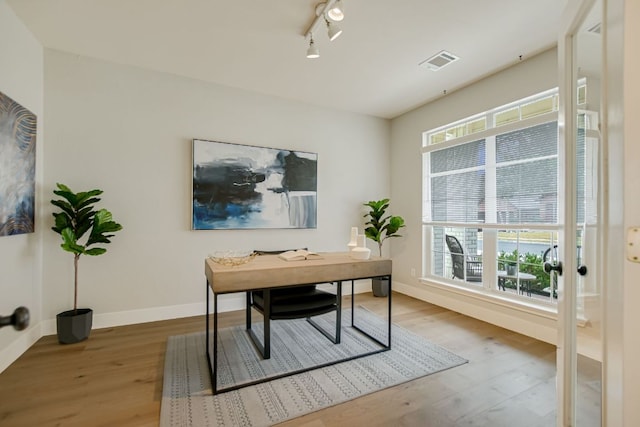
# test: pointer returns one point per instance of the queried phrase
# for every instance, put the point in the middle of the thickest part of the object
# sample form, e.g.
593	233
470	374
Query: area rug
187	399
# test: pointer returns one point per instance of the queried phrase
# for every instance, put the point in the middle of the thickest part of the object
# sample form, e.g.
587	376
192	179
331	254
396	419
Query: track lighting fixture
330	12
313	51
336	12
333	31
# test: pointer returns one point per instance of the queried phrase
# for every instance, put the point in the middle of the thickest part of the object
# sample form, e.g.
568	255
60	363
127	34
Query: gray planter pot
74	326
380	286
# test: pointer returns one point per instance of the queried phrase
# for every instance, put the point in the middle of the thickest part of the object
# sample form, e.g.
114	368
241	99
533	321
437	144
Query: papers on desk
299	255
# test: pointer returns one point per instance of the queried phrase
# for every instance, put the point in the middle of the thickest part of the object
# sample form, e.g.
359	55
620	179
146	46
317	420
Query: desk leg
338	312
248	309
352	302
385	346
212	363
267	323
206	321
389	314
215	344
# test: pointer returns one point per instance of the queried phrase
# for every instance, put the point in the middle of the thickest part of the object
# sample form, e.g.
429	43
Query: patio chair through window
467	268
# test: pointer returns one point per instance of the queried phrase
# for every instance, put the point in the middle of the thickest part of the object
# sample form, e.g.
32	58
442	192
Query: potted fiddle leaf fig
82	226
379	228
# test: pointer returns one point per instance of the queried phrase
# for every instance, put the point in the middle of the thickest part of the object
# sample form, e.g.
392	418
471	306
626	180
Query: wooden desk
266	272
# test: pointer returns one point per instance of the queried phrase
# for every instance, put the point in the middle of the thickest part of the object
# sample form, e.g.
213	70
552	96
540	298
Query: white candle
354	238
354	234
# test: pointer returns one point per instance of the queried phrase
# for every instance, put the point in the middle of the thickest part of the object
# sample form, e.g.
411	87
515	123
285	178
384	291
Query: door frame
566	356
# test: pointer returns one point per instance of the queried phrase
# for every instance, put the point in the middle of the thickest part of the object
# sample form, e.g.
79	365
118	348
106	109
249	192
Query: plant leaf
69	242
95	251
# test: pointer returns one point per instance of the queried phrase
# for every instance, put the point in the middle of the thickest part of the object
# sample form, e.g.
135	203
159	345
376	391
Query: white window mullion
426	187
490	236
427	244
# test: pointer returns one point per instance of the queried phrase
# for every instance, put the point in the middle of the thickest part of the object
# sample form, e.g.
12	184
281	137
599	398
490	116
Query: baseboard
14	350
230	302
154	314
359	287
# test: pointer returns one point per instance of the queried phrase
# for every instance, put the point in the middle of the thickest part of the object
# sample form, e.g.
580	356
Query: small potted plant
510	261
380	228
81	227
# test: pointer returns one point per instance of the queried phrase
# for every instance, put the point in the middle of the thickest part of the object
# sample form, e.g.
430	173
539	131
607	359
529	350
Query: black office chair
292	303
473	271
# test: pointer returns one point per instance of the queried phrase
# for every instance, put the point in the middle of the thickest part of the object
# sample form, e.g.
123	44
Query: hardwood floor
115	378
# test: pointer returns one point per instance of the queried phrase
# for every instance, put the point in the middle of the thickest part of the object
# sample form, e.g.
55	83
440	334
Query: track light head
336	13
332	30
329	9
313	51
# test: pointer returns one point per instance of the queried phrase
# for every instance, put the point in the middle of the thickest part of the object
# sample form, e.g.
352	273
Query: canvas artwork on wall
242	186
17	167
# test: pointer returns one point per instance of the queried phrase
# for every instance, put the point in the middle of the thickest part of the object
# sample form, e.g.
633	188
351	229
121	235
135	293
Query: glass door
579	355
588	326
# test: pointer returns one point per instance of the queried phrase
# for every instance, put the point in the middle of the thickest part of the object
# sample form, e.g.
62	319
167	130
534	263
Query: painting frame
240	186
18	134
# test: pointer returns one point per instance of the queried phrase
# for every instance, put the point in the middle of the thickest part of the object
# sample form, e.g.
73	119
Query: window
493	193
459	129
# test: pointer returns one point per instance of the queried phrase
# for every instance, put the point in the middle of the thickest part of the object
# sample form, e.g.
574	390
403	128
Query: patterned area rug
187	398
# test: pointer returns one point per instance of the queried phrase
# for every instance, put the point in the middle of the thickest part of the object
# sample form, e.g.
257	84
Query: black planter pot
74	326
380	286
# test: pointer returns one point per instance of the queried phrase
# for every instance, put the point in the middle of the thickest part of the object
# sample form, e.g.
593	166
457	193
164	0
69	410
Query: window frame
488	286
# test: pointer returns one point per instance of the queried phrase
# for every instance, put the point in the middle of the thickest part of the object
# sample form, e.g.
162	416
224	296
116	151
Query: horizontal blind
456	191
465	156
527	175
526	185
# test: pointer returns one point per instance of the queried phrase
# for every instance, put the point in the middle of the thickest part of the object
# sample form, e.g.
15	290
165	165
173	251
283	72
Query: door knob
19	319
548	267
582	270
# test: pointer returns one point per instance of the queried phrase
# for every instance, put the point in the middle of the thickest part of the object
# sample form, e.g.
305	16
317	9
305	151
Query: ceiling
259	45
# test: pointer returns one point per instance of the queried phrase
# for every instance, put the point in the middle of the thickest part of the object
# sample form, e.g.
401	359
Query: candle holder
361	251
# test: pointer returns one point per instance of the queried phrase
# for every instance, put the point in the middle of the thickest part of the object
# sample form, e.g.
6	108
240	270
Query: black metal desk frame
212	363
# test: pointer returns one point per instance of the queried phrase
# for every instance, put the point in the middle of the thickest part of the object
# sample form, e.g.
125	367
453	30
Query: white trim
490	118
617	402
544	310
17	347
566	378
493	131
519	226
531	321
153	314
524	304
226	303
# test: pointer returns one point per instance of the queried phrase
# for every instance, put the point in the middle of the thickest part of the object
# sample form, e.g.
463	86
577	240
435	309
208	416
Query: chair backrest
276	252
295	290
457	256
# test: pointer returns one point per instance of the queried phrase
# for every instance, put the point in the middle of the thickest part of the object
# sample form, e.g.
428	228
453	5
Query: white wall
128	131
21	78
531	76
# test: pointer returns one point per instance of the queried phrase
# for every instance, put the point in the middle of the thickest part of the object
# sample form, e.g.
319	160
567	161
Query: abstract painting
17	167
242	186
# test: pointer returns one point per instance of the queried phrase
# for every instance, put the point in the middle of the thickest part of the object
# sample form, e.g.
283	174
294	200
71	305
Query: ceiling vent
439	60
